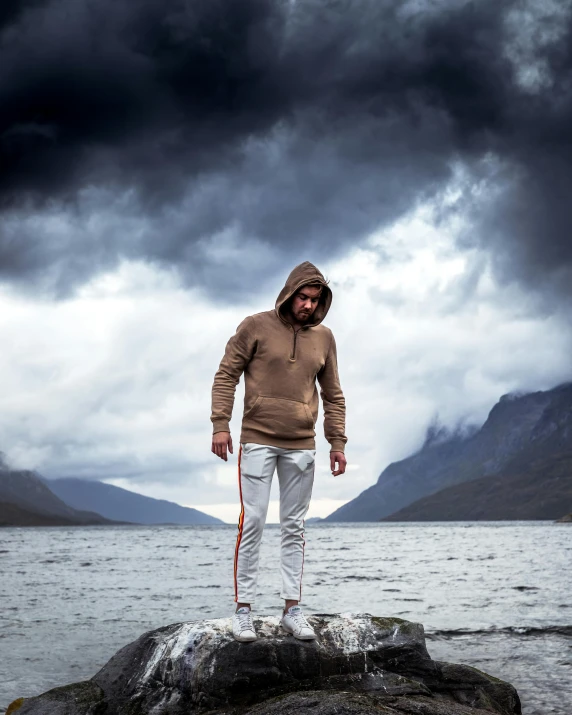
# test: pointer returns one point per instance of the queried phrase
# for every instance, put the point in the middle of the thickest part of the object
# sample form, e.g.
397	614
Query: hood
302	275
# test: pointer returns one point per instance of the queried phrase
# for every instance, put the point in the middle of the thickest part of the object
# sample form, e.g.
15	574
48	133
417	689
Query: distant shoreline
325	525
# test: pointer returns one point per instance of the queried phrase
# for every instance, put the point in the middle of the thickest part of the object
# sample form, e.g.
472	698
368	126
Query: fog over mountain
166	164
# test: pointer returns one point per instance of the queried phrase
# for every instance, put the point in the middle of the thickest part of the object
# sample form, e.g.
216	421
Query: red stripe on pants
240	526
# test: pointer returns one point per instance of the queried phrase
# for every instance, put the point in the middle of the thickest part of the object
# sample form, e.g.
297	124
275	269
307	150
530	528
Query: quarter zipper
293	356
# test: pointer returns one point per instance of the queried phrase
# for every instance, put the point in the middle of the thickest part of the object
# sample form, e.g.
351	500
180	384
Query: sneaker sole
244	640
300	638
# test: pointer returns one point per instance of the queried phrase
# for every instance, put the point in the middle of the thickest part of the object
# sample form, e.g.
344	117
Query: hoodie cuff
337	445
220	426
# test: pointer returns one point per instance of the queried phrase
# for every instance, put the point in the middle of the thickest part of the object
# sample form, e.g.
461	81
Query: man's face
305	302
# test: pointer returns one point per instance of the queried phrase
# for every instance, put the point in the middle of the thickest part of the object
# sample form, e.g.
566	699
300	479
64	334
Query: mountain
520	428
25	496
124	505
14	515
542	490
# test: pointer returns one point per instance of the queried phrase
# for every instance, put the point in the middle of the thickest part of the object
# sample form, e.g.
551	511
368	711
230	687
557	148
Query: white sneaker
294	622
242	626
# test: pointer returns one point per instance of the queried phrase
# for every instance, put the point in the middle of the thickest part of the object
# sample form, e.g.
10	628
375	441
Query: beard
302	316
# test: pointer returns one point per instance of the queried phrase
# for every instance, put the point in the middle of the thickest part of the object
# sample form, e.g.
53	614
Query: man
281	353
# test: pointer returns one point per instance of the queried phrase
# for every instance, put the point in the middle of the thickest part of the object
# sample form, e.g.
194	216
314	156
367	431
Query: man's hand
220	442
340	458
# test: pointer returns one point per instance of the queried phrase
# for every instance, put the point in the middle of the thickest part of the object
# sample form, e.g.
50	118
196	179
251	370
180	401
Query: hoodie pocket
280	416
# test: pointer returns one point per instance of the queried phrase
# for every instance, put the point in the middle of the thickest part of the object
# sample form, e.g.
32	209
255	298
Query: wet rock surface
359	664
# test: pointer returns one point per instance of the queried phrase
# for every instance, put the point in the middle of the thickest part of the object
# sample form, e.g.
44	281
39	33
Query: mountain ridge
542	492
116	503
14	515
27	492
30	499
520	427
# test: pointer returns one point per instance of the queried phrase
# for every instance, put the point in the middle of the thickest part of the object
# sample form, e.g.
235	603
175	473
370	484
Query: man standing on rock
281	353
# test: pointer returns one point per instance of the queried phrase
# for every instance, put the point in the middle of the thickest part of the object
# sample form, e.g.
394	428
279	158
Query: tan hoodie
280	366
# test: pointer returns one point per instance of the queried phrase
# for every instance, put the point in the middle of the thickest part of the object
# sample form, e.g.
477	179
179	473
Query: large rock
359	664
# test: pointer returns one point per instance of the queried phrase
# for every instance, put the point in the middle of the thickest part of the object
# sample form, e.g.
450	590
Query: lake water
493	595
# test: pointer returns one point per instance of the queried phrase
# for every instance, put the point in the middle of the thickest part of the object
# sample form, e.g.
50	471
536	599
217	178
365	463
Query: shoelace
245	621
300	619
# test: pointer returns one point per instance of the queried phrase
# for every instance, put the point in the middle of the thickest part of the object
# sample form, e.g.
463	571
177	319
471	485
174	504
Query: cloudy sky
164	164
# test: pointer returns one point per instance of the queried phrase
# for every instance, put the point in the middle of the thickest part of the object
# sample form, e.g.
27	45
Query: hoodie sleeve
333	401
238	353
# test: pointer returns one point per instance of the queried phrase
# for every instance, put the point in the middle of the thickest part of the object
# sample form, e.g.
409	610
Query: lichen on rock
16	705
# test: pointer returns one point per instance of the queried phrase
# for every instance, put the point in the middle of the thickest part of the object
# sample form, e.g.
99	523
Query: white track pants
256	465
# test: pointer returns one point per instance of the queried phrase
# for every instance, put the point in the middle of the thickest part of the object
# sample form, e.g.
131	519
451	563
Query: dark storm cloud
300	126
11	10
